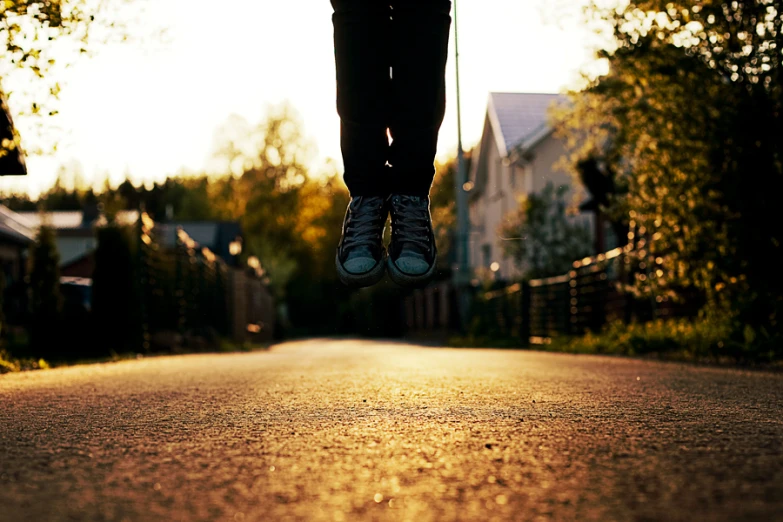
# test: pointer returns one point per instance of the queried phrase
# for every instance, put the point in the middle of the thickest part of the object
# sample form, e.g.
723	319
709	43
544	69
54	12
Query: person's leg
361	43
419	51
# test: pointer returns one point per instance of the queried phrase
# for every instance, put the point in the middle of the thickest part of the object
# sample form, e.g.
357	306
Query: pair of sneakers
362	259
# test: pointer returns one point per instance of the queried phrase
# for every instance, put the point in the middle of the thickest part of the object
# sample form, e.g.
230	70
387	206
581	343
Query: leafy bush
687	121
706	338
543	239
10	364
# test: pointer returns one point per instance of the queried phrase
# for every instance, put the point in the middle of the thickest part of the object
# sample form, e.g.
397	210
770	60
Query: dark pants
391	65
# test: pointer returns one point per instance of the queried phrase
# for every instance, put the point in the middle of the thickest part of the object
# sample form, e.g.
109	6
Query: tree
322	204
266	196
58	197
444	210
690	120
116	301
195	204
45	298
541	238
42	35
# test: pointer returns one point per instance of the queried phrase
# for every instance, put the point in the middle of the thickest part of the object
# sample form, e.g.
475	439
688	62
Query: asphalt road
340	431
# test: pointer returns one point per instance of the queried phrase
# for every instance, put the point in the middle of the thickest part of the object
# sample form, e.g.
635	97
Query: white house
75	231
518	155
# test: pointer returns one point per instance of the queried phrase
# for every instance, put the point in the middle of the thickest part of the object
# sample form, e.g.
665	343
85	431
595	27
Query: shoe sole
364	280
408	280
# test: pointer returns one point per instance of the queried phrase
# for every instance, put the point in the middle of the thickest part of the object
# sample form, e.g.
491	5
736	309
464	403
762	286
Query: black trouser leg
419	43
361	43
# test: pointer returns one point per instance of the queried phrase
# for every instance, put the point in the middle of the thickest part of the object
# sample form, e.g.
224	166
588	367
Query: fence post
179	291
524	305
142	279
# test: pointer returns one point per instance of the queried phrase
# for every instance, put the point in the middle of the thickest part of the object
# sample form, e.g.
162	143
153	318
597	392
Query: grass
9	364
698	341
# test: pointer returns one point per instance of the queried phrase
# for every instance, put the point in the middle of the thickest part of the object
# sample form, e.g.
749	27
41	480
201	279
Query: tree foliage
115	298
444	209
45	298
41	36
689	119
541	238
291	214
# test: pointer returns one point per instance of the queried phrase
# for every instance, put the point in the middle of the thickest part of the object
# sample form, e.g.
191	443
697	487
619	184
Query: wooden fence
188	290
589	296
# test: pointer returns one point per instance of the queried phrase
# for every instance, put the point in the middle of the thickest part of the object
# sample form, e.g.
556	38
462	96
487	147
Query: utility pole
462	274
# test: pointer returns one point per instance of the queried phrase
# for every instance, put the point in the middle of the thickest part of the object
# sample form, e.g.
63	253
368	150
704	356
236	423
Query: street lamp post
462	274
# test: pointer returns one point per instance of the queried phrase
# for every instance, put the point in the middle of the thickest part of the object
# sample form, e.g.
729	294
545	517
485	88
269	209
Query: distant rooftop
15	227
70	219
215	235
516	116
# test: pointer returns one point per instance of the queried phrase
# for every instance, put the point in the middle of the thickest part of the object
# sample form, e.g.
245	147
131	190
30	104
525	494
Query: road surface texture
352	430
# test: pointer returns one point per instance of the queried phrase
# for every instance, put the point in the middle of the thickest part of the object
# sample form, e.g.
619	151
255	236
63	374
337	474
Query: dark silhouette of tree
129	195
59	197
45	298
115	299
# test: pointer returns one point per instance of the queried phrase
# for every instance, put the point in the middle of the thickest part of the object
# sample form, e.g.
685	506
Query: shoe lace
362	227
412	225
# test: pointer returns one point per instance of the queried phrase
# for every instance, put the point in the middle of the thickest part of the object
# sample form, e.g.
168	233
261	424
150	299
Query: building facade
518	155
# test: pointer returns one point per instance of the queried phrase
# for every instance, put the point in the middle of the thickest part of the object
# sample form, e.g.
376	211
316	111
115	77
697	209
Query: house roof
516	117
14	228
514	121
215	235
12	162
71	219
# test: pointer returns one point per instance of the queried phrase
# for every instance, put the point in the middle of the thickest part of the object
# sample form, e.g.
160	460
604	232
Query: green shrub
705	338
10	364
6	364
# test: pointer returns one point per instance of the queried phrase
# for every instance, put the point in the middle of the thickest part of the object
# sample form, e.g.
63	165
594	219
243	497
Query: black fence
187	290
183	288
595	292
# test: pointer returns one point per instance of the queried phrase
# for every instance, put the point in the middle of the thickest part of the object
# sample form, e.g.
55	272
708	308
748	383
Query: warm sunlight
267	274
151	110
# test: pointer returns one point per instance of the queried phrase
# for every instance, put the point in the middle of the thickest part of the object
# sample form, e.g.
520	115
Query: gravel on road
330	430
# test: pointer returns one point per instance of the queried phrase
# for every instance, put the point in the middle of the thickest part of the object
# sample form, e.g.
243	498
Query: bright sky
153	110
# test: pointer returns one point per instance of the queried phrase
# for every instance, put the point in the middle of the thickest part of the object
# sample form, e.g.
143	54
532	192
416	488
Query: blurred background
171	180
